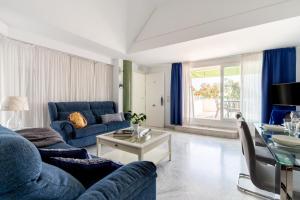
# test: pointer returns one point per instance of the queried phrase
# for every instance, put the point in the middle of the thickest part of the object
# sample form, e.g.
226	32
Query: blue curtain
176	94
279	66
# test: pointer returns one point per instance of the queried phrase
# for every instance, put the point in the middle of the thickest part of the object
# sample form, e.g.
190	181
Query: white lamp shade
15	103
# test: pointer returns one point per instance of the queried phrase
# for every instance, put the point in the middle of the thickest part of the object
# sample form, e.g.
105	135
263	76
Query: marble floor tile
201	168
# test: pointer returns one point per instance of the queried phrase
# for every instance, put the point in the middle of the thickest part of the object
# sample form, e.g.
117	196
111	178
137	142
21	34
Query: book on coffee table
125	132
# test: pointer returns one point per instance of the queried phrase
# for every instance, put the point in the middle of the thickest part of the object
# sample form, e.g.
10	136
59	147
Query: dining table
287	158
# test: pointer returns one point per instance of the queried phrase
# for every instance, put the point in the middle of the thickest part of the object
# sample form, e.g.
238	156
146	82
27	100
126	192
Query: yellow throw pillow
77	119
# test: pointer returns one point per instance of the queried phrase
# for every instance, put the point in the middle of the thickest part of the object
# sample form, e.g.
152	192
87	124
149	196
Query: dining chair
262	153
263	175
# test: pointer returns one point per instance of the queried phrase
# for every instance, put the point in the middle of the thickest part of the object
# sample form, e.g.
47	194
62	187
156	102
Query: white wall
3	28
47	42
101	21
166	68
71	45
93	29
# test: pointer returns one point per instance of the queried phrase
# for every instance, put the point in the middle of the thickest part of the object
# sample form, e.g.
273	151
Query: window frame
222	122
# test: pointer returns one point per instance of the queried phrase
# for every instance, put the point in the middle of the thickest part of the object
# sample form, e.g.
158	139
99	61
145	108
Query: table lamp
14	104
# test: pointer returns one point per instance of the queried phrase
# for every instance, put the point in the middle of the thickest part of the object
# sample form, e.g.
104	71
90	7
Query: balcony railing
231	107
209	108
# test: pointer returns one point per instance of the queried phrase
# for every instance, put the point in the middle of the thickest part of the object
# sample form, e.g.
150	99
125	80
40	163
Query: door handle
161	101
153	105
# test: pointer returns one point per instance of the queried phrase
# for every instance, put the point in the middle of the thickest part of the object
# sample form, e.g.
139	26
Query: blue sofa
59	112
25	177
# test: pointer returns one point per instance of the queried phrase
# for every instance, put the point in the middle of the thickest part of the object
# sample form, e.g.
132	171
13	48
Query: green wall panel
127	85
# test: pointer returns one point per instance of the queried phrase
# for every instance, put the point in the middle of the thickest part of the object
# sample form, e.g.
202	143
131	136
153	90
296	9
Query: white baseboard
208	131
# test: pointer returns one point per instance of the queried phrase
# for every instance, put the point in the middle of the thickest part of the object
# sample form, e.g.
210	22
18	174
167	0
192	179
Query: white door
155	102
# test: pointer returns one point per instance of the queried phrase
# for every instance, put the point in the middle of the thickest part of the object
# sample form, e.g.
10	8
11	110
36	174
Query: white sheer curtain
45	75
48	79
15	59
187	93
103	76
82	79
251	86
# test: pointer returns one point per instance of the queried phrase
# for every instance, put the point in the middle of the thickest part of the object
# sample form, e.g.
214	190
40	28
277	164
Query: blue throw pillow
87	171
65	153
89	116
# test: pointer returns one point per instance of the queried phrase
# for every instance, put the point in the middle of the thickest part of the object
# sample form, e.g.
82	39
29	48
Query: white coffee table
138	146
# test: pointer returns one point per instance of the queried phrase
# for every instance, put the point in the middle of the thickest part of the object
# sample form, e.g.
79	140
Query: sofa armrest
127	116
65	129
136	180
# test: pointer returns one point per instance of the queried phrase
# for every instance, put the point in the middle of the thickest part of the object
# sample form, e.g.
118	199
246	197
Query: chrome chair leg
250	192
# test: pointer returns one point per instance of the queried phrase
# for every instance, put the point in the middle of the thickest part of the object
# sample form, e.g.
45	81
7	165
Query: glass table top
127	136
288	156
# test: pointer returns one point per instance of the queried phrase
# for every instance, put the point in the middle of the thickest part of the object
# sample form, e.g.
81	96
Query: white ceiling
158	31
101	23
277	34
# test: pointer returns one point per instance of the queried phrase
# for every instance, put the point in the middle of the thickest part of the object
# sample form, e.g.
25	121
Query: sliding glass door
215	92
206	92
231	94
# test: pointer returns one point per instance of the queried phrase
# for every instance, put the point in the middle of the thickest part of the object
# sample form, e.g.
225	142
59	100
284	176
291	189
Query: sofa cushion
65	108
115	117
102	108
89	116
62	116
87	171
72	106
83	142
65	153
90	130
112	126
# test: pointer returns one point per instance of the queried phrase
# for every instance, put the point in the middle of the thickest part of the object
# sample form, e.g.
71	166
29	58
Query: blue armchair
59	112
24	176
